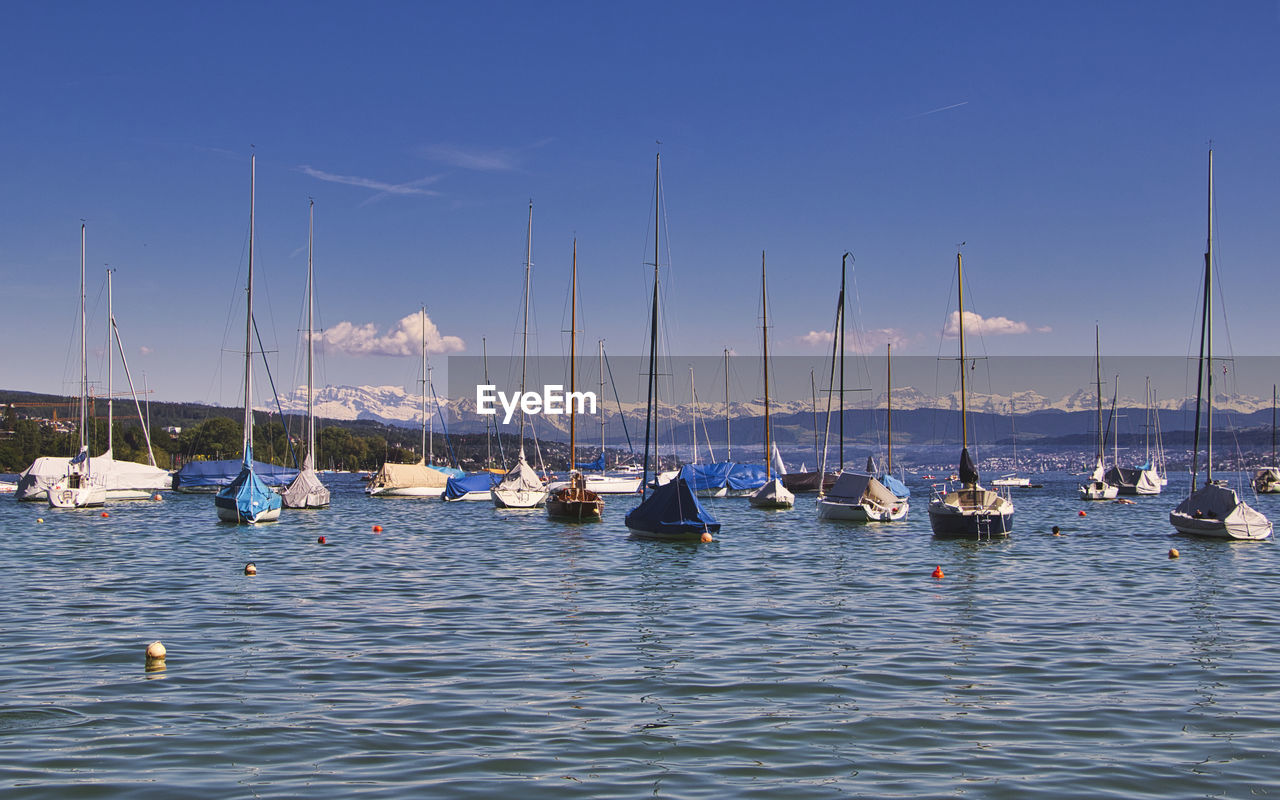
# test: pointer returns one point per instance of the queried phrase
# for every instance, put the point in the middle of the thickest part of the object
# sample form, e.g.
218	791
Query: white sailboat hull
861	512
519	498
1097	490
63	496
407	491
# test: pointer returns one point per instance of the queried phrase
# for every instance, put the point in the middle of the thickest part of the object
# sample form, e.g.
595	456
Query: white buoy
155	651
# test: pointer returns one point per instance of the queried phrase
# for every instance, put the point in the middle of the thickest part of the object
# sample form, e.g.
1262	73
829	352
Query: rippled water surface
470	652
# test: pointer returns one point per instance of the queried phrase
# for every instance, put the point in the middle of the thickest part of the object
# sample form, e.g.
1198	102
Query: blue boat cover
479	482
707	477
196	474
746	477
671	510
452	472
251	495
596	466
894	485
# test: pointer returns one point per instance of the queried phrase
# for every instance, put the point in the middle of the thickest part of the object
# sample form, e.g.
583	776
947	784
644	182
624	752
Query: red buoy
105	514
1083	514
937	572
320	540
377	529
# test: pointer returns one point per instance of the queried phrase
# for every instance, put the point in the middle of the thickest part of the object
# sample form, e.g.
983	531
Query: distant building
173	430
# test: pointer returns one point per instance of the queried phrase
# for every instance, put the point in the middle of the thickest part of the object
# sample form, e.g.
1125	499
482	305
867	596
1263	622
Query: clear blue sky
1064	142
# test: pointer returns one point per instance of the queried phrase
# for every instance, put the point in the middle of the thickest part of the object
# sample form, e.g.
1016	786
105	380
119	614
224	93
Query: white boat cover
854	487
1213	502
306	490
405	476
521	478
35	480
772	494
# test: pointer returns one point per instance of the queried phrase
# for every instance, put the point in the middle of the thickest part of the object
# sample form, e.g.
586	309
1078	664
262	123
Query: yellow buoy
1173	552
250	569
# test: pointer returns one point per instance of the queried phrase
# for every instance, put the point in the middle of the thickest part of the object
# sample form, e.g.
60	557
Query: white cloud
497	160
1044	329
144	350
405	339
409	188
865	342
984	326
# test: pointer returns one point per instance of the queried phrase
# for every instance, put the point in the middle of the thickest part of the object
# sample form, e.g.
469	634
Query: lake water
470	652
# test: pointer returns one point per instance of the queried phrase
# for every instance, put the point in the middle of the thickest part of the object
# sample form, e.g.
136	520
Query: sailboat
855	496
413	480
1013	479
306	490
1097	488
671	511
1145	479
1213	509
79	487
247	499
598	480
574	501
773	494
476	486
970	511
521	487
1267	479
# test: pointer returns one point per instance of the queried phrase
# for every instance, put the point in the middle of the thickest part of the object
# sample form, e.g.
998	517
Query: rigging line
622	416
292	455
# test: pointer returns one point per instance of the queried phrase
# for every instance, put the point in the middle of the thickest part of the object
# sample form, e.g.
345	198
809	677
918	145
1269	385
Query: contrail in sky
944	108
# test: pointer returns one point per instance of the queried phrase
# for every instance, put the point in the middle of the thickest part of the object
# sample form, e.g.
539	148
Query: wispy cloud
480	159
416	187
145	351
985	326
404	339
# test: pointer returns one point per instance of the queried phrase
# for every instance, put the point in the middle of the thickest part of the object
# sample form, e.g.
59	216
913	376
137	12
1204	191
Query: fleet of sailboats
669	508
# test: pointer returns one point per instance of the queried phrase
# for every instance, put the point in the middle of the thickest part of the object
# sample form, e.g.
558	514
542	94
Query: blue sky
1065	143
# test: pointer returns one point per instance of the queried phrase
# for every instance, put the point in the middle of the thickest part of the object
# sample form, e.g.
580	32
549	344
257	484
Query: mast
840	317
888	357
813	395
573	355
1273	424
488	439
524	347
1208	333
600	367
651	388
964	411
111	362
764	307
422	318
248	324
1097	361
728	437
84	368
311	412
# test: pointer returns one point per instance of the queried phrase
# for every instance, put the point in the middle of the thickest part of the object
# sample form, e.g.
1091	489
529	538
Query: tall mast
422	320
888	415
840	316
600	367
1208	332
1273	424
764	314
573	356
728	437
1097	361
964	411
248	322
84	368
111	362
651	388
488	439
524	351
311	413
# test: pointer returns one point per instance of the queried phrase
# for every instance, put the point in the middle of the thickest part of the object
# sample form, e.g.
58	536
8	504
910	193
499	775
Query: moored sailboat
1212	509
970	511
306	490
574	501
670	511
773	494
247	499
1267	479
1097	488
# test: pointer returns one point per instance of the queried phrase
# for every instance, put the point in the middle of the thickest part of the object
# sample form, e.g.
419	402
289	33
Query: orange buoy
937	572
39	519
706	536
1083	514
1173	553
157	497
105	514
377	529
320	540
